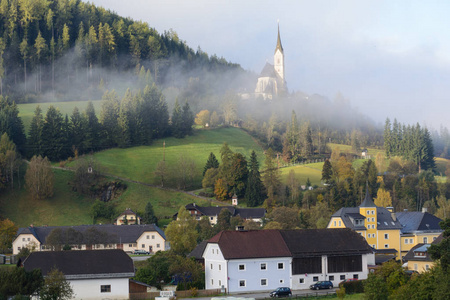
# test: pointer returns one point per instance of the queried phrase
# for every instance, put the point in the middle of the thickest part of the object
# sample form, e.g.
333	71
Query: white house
99	274
262	260
93	237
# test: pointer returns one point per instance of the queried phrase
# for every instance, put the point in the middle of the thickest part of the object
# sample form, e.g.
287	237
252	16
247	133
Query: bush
353	287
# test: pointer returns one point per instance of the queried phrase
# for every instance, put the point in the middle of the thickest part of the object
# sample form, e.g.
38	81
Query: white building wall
25	240
216	268
151	241
87	289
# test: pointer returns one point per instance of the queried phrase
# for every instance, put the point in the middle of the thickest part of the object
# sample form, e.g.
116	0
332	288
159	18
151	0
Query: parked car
140	252
319	285
281	292
348	280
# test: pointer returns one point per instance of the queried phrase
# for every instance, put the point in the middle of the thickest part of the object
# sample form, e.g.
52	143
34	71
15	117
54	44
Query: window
339	223
427	267
143	245
406	241
316	278
211	266
18	248
415	267
263	282
220	267
385	223
263	266
130	245
28	239
386	236
434	238
410	241
301	280
280	266
331	278
153	237
157	245
212	218
212	281
334	223
281	281
105	288
355	276
242	283
241	267
148	237
23	239
342	277
386	245
425	240
220	282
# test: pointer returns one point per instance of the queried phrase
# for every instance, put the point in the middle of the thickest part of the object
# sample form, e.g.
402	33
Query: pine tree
239	174
77	132
93	141
306	141
53	140
188	119
271	176
387	138
11	123
212	162
149	215
255	193
109	119
327	172
35	135
177	121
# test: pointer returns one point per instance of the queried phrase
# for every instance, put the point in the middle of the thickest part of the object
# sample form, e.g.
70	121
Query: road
296	293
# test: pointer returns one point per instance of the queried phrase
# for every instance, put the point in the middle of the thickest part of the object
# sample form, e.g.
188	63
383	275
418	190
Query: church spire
279	46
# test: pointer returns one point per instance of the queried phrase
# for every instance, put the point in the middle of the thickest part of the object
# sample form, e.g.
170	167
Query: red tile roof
251	244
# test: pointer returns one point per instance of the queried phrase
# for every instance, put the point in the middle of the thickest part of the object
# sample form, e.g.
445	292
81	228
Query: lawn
26	111
67	207
303	172
138	163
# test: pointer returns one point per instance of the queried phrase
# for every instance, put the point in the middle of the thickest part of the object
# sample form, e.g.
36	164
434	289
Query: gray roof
244	213
115	233
384	218
86	264
418	248
413	221
367	202
268	71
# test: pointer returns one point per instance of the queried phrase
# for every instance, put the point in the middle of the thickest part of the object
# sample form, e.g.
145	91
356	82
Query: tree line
63	39
413	143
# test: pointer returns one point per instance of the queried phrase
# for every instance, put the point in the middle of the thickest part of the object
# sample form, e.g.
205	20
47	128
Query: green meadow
139	163
303	172
26	111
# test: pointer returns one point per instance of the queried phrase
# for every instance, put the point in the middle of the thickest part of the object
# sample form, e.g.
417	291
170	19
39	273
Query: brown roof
290	243
251	244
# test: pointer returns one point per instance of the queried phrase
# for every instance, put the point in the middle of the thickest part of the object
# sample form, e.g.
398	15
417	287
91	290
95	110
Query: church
271	82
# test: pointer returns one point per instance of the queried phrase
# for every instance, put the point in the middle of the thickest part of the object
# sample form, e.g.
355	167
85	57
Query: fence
179	294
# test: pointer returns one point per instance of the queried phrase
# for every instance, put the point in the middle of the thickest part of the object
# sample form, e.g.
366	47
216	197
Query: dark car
319	285
281	292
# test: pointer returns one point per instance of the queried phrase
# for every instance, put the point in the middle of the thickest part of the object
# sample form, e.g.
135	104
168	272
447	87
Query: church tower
278	58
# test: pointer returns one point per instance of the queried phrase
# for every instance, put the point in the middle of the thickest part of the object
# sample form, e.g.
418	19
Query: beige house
128	217
92	237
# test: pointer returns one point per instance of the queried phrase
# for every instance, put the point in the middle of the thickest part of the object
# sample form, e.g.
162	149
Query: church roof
279	46
268	71
368	202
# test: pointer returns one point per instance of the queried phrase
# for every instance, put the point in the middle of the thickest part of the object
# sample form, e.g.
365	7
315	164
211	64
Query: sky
388	58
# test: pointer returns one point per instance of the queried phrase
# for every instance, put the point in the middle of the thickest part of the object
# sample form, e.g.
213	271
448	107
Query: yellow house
417	228
418	258
128	217
377	225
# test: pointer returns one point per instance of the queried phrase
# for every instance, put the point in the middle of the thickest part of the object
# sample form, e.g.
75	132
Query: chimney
424	209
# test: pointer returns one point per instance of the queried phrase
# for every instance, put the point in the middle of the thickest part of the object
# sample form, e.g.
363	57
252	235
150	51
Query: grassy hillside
67	207
138	163
26	111
303	172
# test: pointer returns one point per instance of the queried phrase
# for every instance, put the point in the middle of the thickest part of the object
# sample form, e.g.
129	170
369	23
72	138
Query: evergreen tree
271	176
255	193
11	123
77	132
291	146
93	141
387	138
212	162
109	117
53	140
327	172
177	121
307	148
149	215
34	143
225	168
239	175
188	119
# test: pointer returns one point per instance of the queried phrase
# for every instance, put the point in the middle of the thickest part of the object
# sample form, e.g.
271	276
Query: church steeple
279	46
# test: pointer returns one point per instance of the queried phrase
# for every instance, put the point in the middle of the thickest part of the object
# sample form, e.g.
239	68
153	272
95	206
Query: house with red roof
262	260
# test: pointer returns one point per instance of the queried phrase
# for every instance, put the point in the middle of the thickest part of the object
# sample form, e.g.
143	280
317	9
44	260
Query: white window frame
386	236
261	266
266	282
278	266
240	281
243	269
